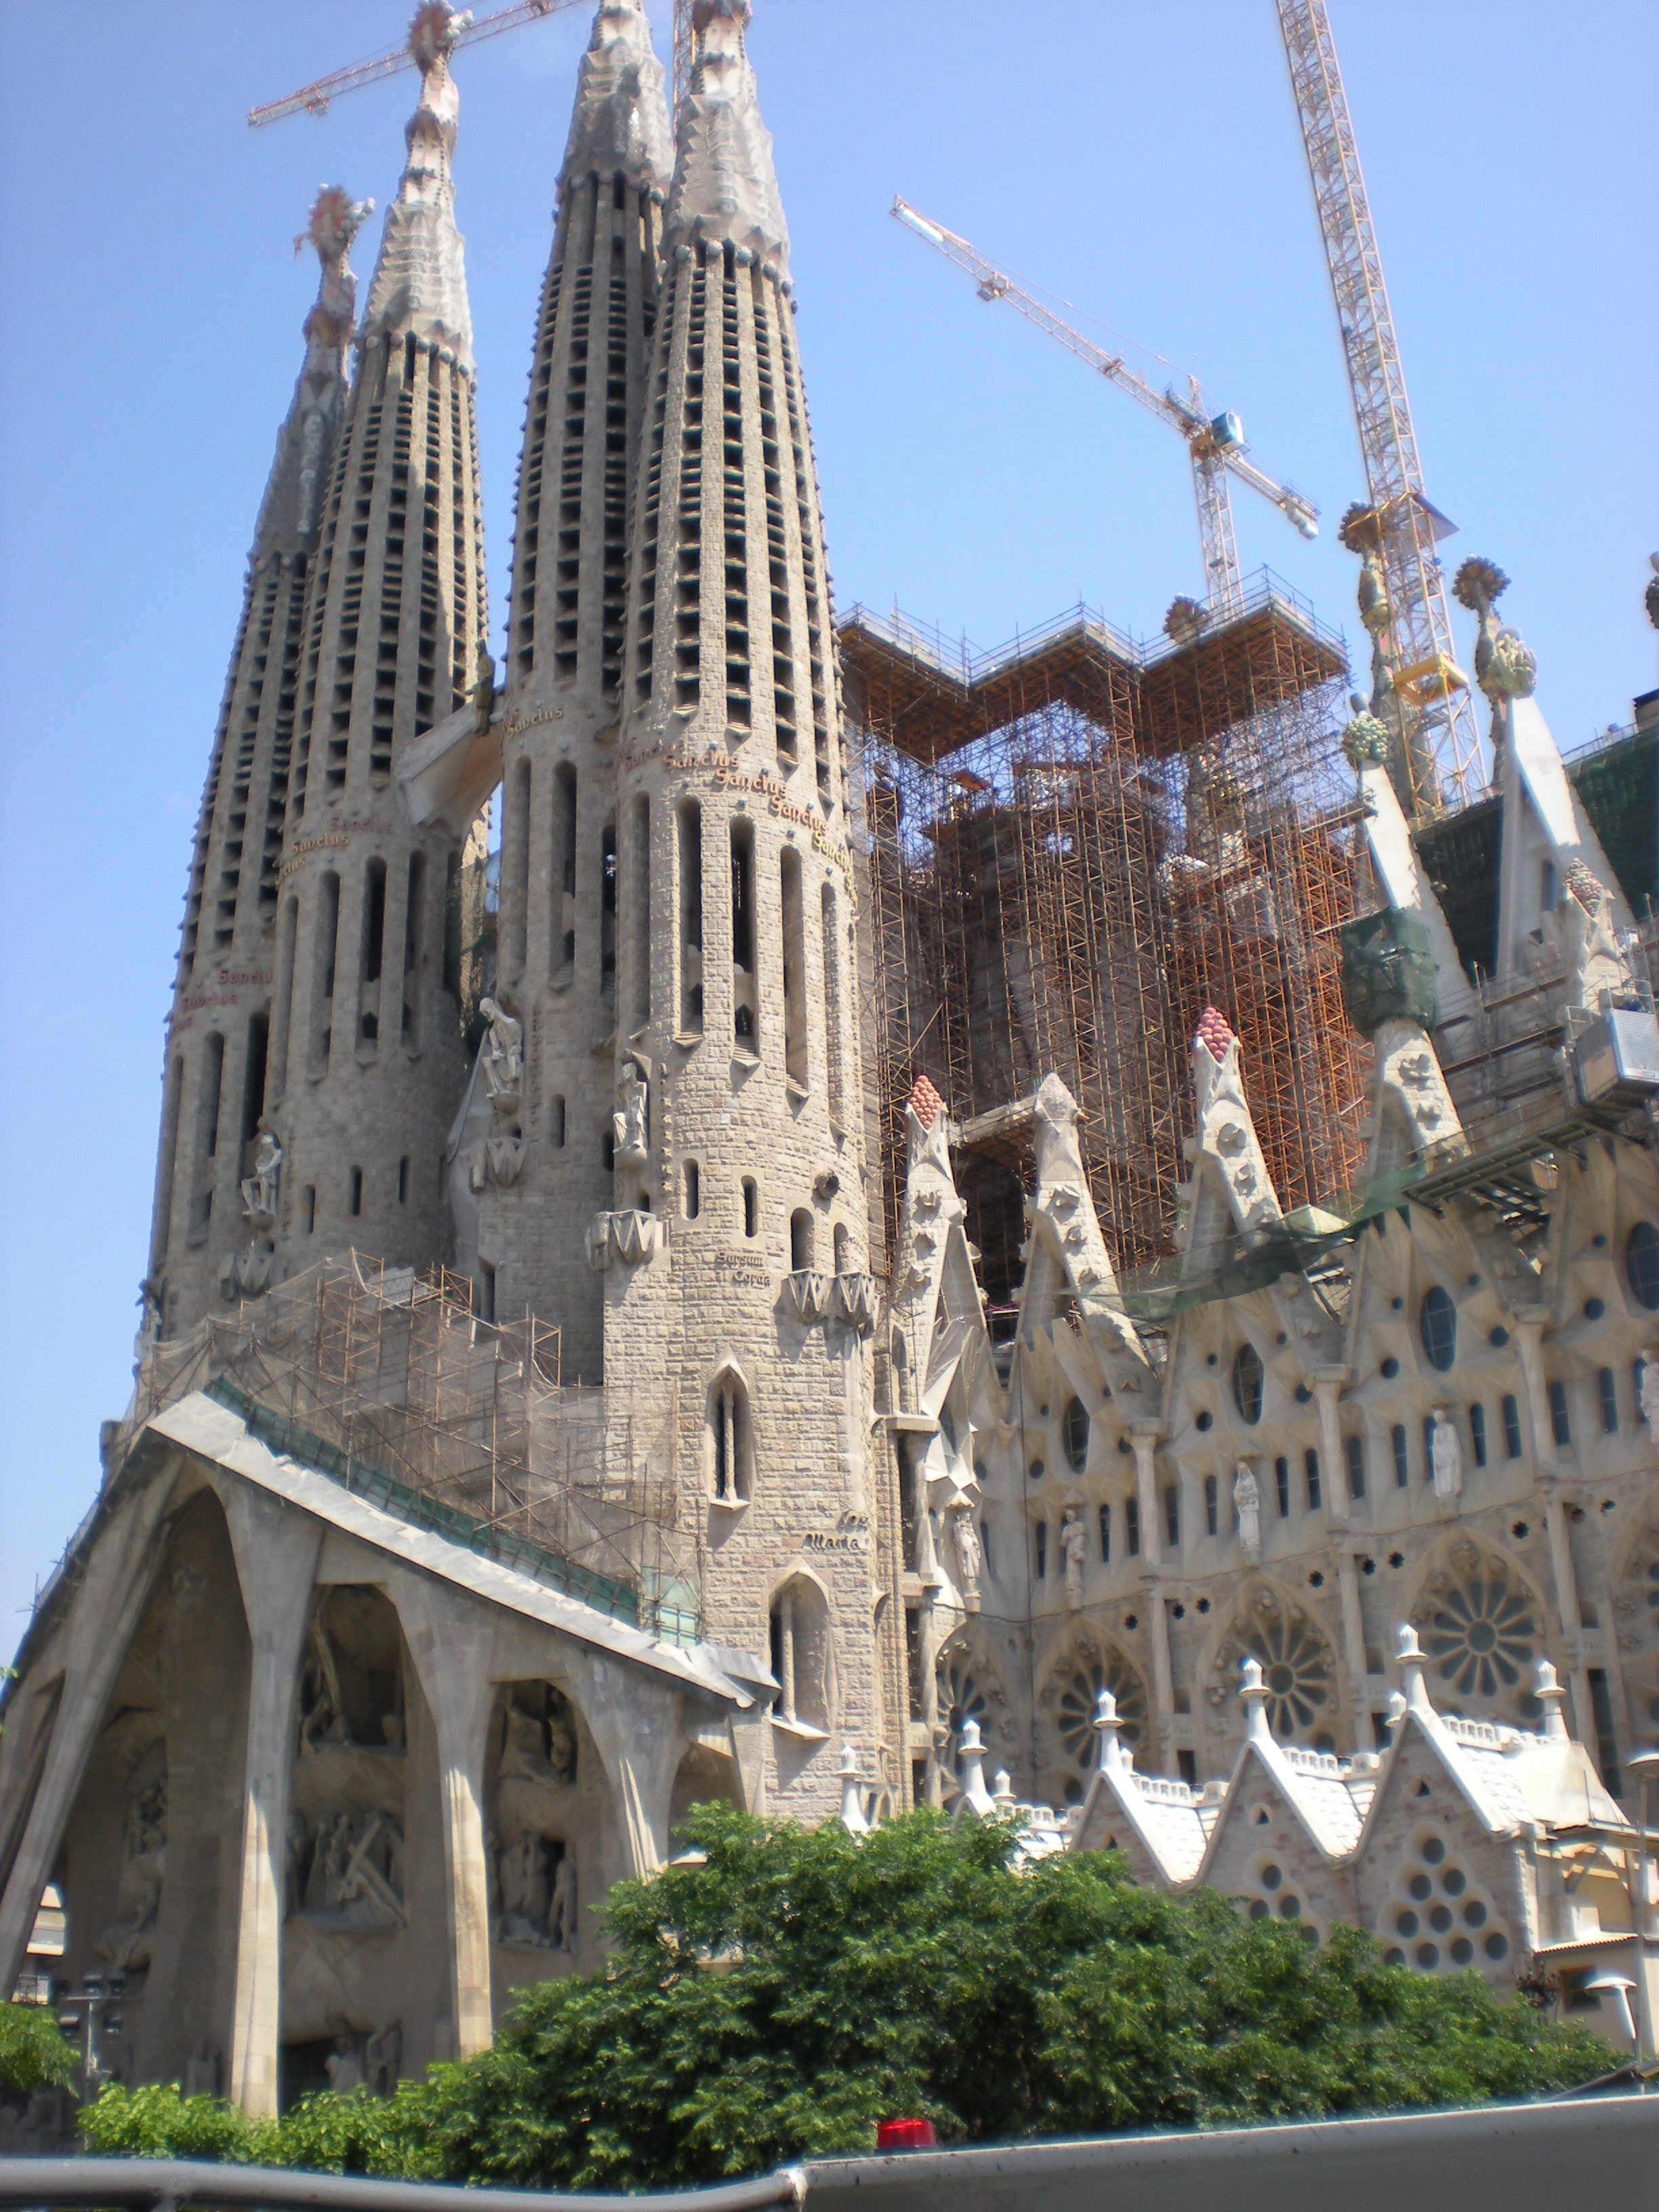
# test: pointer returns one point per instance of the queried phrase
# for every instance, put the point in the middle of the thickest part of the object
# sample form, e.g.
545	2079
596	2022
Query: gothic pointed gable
936	1298
1068	1252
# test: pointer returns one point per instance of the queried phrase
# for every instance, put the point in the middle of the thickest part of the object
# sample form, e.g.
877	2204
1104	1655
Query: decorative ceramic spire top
926	1102
293	504
420	284
335	220
621	117
726	188
1215	1034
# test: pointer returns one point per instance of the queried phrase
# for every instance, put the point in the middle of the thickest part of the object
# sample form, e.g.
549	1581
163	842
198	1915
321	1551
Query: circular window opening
1437	1323
1247	1383
1463	1951
1428	1955
1496	1945
1272	1876
1407	1924
1641	1265
1290	1907
1474	1913
1420	1887
1434	1850
1074	1434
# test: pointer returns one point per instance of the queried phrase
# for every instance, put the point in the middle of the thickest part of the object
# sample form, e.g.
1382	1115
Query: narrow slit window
744	1004
323	953
829	937
555	1121
640	958
689	830
163	1234
373	954
692	1191
1212	1505
515	867
794	968
608	911
354	1194
1172	1518
1478	1433
564	868
801	1240
1402	1472
253	1073
1310	1471
211	1081
1561	1420
414	924
1132	1525
1609	1390
307	1209
750	1207
1356	1449
287	936
1282	1487
1105	1535
1512	1427
403	1180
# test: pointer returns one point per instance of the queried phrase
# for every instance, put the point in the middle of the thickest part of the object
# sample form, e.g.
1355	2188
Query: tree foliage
775	2000
32	2052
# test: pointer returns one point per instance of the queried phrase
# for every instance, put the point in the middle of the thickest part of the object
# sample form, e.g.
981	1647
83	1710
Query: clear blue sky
1142	161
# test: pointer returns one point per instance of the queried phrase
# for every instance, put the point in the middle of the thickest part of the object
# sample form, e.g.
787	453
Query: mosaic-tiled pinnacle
420	281
726	188
620	123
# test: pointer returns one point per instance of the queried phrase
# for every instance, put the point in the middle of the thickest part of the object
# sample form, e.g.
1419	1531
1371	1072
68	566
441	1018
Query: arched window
1247	1384
728	1441
1437	1325
843	1250
1641	1265
1074	1434
800	1655
800	1239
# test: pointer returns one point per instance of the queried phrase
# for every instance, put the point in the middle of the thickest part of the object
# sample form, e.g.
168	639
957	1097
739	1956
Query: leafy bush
774	2000
32	2052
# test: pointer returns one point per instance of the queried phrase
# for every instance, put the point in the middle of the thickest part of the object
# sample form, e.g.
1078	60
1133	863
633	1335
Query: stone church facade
532	1433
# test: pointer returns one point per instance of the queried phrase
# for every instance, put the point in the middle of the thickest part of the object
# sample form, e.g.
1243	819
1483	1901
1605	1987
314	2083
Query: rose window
1482	1637
1296	1673
1076	1709
961	1699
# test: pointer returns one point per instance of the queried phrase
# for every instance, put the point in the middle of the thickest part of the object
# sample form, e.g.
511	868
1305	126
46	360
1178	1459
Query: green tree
32	2052
776	1999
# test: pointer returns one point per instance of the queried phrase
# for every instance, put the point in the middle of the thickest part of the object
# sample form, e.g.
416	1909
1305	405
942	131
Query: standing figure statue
1247	1504
1073	1545
561	1918
260	1188
1648	1392
630	1129
1446	1454
971	1555
500	1060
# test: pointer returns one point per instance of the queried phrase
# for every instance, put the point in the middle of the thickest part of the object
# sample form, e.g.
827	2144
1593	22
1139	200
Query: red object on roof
906	2135
925	1102
1214	1034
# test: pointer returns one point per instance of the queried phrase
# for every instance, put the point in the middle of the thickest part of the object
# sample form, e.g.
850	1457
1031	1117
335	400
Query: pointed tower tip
725	186
334	221
420	281
620	122
1215	1034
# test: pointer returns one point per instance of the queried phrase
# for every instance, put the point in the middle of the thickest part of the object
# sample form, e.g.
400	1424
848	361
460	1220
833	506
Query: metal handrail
149	2184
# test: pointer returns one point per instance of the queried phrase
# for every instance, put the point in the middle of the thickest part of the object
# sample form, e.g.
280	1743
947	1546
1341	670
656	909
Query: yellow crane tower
1215	443
1443	750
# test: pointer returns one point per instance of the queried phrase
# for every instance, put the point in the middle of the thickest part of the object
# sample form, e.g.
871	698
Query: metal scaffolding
1074	845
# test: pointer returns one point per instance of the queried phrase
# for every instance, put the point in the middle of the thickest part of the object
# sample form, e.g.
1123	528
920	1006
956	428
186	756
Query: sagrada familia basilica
578	1374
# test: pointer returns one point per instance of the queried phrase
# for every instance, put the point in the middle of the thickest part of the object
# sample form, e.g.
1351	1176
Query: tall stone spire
215	1075
558	942
737	1292
366	1055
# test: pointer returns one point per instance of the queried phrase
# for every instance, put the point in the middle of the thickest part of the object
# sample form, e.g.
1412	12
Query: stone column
277	1549
103	1617
1529	1322
1162	1682
1147	1435
635	1720
450	1638
1353	1644
1329	1385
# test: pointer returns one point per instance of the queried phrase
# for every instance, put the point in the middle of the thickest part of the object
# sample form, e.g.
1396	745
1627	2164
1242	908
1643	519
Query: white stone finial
970	1758
1106	1725
1551	1696
853	1817
1395	1711
1002	1792
1410	1654
1255	1694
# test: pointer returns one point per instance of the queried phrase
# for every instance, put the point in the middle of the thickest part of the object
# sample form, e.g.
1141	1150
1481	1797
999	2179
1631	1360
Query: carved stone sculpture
970	1556
383	2059
124	1945
524	1753
355	1879
344	2066
322	1707
630	1128
202	2070
1074	1547
1247	1504
809	1294
1446	1454
1648	1397
525	1892
562	1917
500	1060
260	1189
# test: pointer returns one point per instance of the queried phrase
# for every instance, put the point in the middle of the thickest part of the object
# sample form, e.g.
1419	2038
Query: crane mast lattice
1445	760
1215	444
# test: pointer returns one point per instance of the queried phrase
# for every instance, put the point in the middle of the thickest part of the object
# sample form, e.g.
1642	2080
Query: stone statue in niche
322	1708
1446	1456
1648	1393
630	1130
124	1945
1074	1547
971	1556
1247	1504
296	1863
500	1058
538	1745
202	2070
562	1917
260	1189
345	2064
355	1876
526	1893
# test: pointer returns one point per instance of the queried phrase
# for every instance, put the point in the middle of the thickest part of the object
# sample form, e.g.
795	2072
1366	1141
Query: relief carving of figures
631	1124
1074	1547
259	1190
539	1742
500	1058
124	1945
1447	1455
322	1708
561	1919
344	2065
526	1893
356	1873
1247	1504
383	2059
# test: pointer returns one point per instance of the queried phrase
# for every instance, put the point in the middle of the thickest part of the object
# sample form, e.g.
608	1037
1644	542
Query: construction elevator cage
1074	845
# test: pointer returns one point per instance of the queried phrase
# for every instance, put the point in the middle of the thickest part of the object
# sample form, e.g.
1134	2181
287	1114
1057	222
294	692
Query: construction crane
1443	752
317	98
1214	442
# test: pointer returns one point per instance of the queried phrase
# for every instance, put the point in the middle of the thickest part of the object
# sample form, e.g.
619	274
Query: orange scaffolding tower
1074	844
